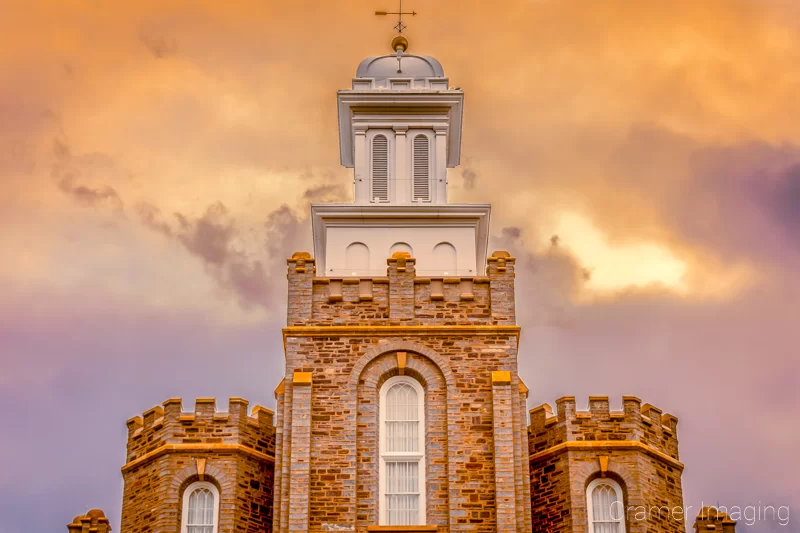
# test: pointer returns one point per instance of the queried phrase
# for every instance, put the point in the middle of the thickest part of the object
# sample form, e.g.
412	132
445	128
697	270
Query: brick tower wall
345	337
638	447
168	449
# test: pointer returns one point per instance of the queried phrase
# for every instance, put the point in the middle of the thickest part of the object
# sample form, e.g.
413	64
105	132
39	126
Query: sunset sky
158	159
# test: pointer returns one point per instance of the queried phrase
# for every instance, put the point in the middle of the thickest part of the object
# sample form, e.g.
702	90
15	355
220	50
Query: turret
171	453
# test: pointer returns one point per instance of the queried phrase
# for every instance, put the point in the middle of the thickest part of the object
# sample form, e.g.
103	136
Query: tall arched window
606	508
200	508
421	184
402	450
380	169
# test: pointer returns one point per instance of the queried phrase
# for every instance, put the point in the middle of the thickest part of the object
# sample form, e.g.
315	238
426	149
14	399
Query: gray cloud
470	178
326	193
213	237
158	44
103	196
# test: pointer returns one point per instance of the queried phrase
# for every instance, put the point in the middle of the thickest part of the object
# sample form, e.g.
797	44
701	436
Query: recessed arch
445	258
357	258
401	247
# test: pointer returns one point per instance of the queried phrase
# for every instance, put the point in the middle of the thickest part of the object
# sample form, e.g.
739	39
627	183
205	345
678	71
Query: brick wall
168	449
638	447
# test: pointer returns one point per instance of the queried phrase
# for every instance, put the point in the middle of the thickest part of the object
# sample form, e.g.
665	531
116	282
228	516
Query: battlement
169	424
401	297
636	422
94	521
711	519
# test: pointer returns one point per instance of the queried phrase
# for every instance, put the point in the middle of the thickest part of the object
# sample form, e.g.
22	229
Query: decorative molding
603	465
281	388
302	378
395	331
401	362
200	463
586	445
209	447
501	377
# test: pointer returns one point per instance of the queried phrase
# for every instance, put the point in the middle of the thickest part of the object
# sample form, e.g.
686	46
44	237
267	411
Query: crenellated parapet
636	422
170	449
401	297
169	424
635	448
712	520
93	521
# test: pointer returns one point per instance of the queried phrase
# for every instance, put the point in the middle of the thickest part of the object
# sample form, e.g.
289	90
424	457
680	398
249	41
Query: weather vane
399	26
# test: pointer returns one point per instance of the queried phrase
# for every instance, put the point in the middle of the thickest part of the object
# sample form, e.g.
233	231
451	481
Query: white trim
618	512
189	490
431	103
395	456
325	216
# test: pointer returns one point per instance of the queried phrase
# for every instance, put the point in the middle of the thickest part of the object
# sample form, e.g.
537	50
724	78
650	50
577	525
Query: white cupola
400	130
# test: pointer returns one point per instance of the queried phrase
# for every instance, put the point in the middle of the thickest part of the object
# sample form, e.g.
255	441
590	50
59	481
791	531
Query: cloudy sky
157	161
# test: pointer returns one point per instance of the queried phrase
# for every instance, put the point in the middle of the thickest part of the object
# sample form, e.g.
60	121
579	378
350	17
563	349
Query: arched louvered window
421	183
200	508
402	449
606	509
380	169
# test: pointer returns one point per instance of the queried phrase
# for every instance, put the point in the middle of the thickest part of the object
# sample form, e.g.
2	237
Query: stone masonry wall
452	334
637	447
169	449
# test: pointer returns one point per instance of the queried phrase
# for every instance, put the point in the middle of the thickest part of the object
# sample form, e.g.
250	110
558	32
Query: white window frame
401	456
620	513
390	162
188	492
412	134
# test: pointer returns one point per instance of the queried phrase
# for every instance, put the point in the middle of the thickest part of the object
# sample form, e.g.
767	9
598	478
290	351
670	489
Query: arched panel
401	247
357	258
445	258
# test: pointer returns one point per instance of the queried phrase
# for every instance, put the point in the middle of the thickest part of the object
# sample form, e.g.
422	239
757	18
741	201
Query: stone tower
633	452
401	408
173	456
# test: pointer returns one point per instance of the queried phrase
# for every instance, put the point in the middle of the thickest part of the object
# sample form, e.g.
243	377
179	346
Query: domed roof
411	66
